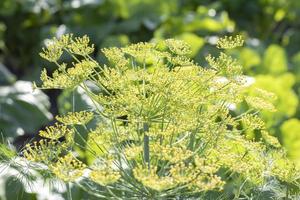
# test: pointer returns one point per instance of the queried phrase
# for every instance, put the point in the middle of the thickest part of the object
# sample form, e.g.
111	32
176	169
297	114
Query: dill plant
166	130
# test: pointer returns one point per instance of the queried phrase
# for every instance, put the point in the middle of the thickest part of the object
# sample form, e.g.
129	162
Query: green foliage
274	61
17	103
282	87
249	58
291	138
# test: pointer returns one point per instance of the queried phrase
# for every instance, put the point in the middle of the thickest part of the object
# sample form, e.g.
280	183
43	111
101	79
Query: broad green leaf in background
22	110
249	58
287	100
115	41
17	191
21	182
7	7
296	66
6	77
291	138
274	60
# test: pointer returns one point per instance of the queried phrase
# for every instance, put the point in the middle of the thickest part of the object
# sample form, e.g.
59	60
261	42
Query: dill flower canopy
166	130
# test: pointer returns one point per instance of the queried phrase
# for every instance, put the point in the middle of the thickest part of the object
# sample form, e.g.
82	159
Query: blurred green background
271	55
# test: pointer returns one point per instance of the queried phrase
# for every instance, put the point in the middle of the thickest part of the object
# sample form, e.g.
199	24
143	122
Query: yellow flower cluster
225	64
271	140
133	152
68	168
198	177
77	45
51	53
104	176
172	154
102	139
150	179
102	136
282	168
178	47
116	56
55	132
230	42
260	103
43	151
68	78
252	122
72	118
81	46
243	157
265	94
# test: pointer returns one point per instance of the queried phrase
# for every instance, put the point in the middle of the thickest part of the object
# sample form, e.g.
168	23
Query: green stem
146	145
192	141
69	191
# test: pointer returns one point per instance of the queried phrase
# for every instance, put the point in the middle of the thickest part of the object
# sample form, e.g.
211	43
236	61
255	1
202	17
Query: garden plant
161	126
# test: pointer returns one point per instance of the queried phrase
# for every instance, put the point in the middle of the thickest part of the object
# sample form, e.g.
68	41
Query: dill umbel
165	130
